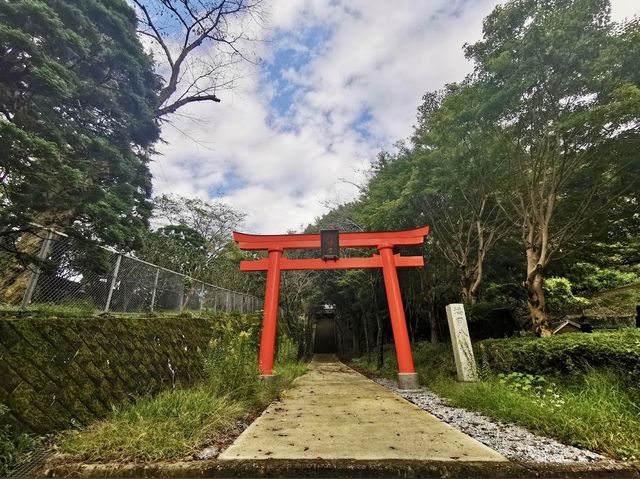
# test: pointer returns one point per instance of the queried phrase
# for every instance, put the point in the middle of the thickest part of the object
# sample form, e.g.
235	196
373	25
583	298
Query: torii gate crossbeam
384	242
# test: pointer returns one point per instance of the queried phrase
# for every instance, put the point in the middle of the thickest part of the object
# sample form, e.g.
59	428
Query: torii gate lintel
384	242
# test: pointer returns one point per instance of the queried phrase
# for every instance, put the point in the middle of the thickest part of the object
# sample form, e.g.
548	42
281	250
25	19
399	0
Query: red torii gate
387	260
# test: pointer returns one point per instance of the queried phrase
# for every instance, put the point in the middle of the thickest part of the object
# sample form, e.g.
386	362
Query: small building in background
567	326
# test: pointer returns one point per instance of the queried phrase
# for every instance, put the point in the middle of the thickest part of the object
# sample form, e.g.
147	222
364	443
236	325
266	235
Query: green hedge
619	350
60	372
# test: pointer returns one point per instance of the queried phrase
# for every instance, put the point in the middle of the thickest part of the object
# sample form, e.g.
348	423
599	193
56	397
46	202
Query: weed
15	448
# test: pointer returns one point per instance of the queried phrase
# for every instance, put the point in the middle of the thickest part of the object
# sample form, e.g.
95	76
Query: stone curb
56	467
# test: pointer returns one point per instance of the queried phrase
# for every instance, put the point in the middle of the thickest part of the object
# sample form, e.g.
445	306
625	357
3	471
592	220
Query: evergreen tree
77	102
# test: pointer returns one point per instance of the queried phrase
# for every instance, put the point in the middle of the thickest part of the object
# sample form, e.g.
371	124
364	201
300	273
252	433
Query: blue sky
334	81
291	51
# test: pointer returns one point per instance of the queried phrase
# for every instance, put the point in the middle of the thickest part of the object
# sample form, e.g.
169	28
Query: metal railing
51	268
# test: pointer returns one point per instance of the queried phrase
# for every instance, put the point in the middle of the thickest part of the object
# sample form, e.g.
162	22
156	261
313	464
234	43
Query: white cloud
380	58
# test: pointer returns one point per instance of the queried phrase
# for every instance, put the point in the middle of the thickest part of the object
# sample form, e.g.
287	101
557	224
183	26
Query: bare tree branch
200	44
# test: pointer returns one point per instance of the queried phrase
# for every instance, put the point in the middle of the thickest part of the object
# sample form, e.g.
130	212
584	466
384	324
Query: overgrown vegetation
178	422
595	406
14	447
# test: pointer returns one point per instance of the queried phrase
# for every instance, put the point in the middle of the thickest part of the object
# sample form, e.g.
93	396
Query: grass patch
172	425
594	409
598	409
15	448
178	422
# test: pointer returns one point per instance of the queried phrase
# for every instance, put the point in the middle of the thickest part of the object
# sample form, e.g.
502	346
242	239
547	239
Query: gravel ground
511	441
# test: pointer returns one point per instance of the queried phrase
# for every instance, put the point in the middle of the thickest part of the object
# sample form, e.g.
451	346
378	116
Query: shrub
231	365
560	298
618	350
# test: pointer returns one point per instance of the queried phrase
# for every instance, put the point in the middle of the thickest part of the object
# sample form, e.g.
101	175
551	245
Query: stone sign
461	342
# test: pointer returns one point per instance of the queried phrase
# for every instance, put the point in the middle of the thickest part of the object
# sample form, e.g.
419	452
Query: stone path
333	412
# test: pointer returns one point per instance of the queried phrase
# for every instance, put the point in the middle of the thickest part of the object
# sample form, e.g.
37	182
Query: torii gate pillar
387	260
270	319
406	370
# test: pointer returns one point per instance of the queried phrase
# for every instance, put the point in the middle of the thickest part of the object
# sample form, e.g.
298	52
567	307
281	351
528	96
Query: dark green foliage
619	350
588	278
493	320
77	103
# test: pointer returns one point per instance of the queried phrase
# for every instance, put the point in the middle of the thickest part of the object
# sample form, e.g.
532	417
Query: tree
77	97
566	107
194	234
453	183
196	44
77	102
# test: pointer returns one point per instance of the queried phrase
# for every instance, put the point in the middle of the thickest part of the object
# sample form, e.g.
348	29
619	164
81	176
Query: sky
335	82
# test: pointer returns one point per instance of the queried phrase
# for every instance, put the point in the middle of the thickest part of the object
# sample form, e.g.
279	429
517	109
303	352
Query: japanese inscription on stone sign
461	342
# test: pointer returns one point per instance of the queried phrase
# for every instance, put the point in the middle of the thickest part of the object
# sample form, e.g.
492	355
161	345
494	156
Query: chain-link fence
51	268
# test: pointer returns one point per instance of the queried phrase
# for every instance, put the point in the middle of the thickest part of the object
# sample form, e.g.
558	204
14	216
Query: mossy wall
60	372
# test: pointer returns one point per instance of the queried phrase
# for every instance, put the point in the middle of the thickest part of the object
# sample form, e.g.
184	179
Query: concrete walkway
333	412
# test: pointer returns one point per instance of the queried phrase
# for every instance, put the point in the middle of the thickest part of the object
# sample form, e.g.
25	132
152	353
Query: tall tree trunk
536	241
380	327
465	292
15	274
537	305
470	281
533	285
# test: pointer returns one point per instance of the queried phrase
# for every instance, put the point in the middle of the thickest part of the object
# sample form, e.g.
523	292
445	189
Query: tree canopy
525	170
77	118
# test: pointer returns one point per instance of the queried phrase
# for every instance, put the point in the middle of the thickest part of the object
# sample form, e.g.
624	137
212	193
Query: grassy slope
621	302
173	424
597	409
178	422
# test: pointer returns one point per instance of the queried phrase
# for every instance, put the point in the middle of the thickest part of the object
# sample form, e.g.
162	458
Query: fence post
35	275
227	308
116	270
155	288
